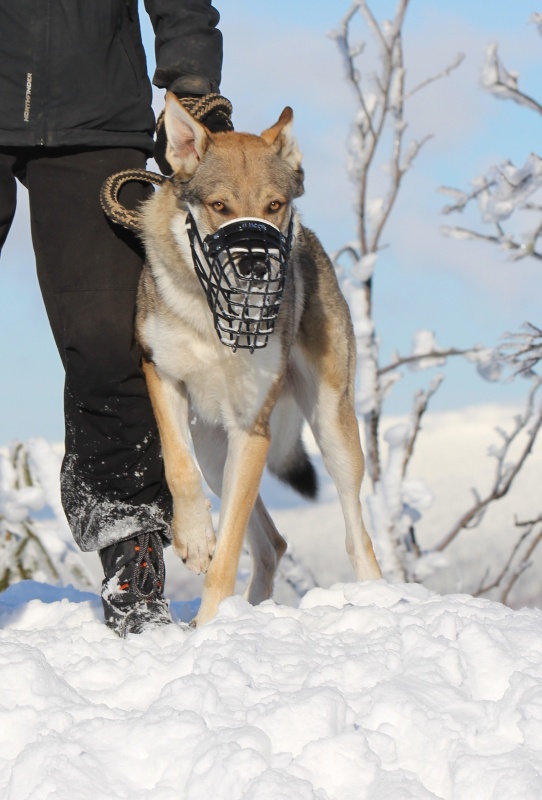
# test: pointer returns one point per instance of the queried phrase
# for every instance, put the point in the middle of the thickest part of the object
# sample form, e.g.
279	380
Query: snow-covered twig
506	189
380	98
437	77
435	355
522	351
421	402
398	501
506	471
502	83
513	569
32	546
483	184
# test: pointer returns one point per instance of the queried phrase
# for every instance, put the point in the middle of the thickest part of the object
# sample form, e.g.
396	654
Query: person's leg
113	482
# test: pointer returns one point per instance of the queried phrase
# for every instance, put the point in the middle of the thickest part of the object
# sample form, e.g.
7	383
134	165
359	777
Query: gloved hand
212	110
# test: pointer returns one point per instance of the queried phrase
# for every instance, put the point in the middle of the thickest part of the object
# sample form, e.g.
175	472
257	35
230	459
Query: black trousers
113	483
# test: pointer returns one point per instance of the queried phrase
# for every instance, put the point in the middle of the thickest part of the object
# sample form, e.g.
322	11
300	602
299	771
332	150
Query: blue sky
278	54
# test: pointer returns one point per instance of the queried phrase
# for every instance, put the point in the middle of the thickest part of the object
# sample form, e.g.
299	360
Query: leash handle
109	196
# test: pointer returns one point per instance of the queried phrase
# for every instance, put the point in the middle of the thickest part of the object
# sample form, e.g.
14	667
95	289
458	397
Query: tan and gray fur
242	410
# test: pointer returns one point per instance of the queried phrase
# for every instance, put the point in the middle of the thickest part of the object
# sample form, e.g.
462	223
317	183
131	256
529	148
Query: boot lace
146	580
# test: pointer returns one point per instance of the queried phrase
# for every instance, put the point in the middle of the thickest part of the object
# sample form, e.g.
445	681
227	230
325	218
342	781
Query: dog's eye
274	206
219	206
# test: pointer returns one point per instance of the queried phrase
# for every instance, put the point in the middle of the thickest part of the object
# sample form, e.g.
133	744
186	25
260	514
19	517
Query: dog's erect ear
280	135
187	140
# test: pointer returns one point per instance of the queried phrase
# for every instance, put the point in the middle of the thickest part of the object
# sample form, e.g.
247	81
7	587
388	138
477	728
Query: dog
245	335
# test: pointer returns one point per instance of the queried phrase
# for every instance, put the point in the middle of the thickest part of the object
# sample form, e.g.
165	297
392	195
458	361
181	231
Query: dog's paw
193	535
196	551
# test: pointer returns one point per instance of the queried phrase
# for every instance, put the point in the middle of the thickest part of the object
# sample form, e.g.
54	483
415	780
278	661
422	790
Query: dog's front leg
247	454
192	527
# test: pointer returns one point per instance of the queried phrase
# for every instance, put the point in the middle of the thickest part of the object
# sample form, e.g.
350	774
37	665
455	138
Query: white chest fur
223	385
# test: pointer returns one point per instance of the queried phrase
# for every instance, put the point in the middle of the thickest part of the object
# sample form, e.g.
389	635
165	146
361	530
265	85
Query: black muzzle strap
242	268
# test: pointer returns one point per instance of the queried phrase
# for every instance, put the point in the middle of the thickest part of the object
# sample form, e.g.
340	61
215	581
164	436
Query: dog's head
239	189
225	176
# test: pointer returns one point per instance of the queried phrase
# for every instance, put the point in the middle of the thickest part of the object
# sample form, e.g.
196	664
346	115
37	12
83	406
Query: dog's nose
250	267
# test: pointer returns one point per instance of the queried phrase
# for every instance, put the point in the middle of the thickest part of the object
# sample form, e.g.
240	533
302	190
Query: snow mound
364	691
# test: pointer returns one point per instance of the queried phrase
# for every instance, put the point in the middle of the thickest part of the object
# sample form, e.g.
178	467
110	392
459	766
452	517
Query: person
75	107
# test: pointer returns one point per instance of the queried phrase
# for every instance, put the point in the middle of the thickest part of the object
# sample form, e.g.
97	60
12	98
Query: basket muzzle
242	268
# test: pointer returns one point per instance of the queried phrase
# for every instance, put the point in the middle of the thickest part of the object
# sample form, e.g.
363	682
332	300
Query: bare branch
421	401
504	84
349	55
513	569
505	472
442	74
522	351
376	29
464	198
413	152
504	242
402	360
525	564
487	587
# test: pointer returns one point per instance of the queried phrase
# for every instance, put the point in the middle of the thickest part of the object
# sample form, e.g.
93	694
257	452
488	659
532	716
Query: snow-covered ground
362	691
365	691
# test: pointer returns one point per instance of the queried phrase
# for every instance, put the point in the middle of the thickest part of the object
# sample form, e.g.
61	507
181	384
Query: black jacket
73	72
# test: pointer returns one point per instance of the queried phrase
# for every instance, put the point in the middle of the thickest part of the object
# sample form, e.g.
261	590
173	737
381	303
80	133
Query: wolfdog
245	334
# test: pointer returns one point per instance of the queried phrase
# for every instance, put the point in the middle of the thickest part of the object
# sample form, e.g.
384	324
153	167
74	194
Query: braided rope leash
109	196
199	108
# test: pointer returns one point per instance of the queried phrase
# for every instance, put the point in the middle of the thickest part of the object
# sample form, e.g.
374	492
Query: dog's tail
288	460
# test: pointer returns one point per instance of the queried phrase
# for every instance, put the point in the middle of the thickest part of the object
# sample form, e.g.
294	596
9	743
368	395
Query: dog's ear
187	140
280	136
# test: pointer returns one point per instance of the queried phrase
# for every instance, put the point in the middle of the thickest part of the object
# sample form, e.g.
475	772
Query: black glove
212	110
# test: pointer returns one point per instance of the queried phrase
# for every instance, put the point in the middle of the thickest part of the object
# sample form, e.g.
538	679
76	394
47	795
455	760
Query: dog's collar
242	268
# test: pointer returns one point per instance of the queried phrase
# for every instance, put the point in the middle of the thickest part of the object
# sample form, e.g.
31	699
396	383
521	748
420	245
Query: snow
29	483
366	346
380	691
425	342
364	691
513	186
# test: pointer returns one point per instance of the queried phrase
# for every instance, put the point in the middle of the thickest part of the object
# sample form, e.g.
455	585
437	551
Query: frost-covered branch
444	73
421	402
380	127
522	351
379	147
497	80
35	540
529	424
506	189
515	566
429	358
381	99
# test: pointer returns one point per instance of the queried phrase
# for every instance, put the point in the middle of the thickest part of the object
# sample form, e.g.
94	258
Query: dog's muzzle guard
242	268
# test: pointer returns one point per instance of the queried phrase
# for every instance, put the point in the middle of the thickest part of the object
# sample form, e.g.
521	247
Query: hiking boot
133	587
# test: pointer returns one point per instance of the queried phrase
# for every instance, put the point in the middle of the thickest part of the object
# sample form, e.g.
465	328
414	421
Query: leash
199	108
109	196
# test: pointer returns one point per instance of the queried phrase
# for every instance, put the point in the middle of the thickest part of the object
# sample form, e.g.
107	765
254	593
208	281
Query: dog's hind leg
265	544
324	392
266	547
192	527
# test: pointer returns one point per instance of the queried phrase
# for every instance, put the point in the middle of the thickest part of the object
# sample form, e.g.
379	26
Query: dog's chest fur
175	325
